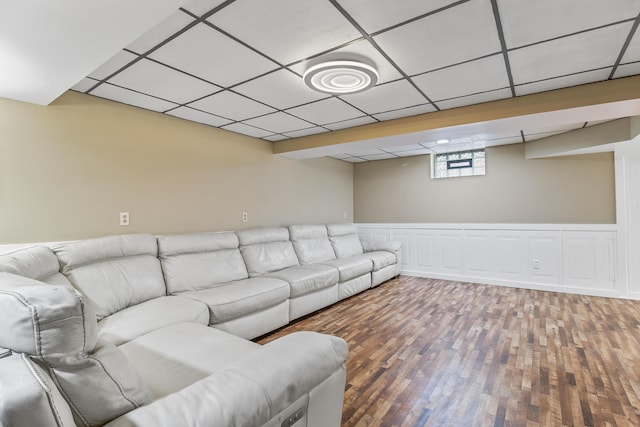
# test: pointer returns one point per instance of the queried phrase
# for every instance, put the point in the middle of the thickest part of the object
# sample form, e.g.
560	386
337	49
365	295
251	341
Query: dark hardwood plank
429	352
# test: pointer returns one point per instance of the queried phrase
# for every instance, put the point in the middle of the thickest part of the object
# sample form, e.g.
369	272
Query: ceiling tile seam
357	108
585	125
216	9
143	93
564	75
453	65
346	120
243	43
419	17
380	50
272	131
522	136
503	45
402	108
625	45
184	72
599	27
201	111
306	120
145	54
472	94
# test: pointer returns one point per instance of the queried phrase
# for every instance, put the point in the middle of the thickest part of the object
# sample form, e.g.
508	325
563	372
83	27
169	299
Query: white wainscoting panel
572	258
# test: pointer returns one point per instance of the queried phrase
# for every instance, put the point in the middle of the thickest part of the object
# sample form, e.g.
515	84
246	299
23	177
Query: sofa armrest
250	391
389	245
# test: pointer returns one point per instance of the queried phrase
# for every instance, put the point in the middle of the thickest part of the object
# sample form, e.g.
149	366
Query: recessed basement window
461	163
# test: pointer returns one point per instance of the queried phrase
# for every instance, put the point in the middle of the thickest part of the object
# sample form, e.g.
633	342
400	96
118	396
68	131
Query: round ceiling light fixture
442	141
340	77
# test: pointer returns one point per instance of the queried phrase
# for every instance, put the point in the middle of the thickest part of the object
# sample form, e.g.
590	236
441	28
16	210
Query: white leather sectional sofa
138	330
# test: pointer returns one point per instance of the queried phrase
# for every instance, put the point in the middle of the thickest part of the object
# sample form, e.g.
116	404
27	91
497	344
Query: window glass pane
462	163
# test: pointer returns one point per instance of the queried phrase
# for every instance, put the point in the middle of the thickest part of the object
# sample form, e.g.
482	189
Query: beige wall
67	170
576	189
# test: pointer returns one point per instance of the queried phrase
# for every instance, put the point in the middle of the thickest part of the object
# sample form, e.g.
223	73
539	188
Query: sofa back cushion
192	262
36	262
311	243
56	326
266	250
114	272
344	239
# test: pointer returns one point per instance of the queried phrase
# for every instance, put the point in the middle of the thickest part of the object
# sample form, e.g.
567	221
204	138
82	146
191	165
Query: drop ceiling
238	65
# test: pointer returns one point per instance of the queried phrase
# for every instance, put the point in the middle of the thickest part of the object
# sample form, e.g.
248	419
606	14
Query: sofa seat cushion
305	279
236	299
352	267
171	358
145	317
381	259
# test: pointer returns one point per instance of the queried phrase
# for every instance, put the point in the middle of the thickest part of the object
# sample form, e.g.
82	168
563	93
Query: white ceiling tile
526	21
274	138
354	159
406	112
361	51
339	156
389	96
286	30
632	54
305	132
455	35
154	79
200	7
350	123
126	96
481	75
475	99
411	147
326	111
565	81
247	130
375	15
84	84
572	54
280	89
118	61
174	23
278	122
230	105
208	54
626	70
363	151
198	116
409	153
379	156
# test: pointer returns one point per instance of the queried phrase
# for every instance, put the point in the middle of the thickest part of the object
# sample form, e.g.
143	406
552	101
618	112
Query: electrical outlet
536	264
346	215
124	219
245	217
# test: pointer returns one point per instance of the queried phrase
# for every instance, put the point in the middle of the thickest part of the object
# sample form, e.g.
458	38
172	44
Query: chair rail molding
572	258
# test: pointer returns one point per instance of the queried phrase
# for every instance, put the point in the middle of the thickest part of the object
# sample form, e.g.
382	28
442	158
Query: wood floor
435	353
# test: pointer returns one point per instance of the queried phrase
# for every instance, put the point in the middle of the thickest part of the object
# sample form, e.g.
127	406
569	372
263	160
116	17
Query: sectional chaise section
168	319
